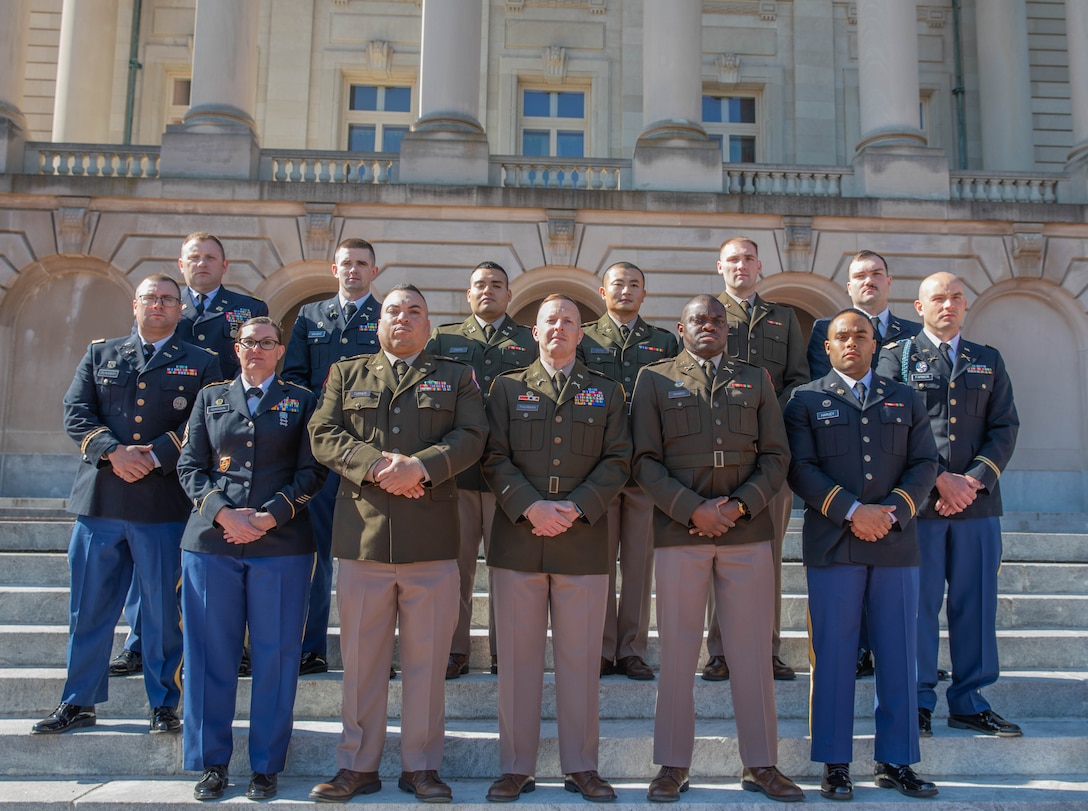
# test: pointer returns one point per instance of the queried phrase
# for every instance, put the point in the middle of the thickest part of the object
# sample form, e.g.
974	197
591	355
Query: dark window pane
182	88
391	138
572	105
360	138
712	110
363	97
536	103
398	100
742	110
534	143
569	144
742	149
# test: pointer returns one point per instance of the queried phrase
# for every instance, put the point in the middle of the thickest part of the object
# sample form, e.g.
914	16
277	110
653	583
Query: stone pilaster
1005	86
13	42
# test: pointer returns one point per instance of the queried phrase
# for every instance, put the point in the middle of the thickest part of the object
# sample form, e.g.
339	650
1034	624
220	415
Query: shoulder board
891	345
99	341
217	383
283	382
510	372
360	356
451	360
656	328
209	351
450	325
603	376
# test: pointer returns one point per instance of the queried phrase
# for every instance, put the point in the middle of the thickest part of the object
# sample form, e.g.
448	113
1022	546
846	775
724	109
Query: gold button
142	385
898	419
245	484
138	418
865	439
590	420
136	436
952	401
181	388
555	463
200	337
952	420
951	384
140	401
249	464
249	444
864	420
717	422
558	418
718	440
951	437
869	476
557	440
984	386
343	340
868	458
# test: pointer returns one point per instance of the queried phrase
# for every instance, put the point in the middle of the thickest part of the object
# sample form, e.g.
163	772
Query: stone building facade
554	137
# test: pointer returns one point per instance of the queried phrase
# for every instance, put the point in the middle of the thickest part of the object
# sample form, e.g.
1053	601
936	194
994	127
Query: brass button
717	422
142	385
140	401
951	437
343	340
952	420
245	484
865	439
558	417
868	458
555	463
200	337
138	418
249	444
718	440
864	420
951	384
136	436
590	420
868	476
249	464
952	401
558	440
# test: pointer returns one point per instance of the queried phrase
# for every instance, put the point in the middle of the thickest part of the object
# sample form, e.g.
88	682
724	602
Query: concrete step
1020	649
122	747
50	605
170	794
1022	696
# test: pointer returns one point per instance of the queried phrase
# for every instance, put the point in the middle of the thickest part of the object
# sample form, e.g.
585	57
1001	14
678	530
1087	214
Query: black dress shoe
836	784
313	663
392	673
262	786
864	666
925	723
245	667
64	718
165	719
494	665
212	783
716	669
902	779
634	667
943	675
782	671
457	666
987	722
126	663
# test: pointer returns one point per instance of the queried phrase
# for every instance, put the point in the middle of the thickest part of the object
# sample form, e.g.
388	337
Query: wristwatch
744	511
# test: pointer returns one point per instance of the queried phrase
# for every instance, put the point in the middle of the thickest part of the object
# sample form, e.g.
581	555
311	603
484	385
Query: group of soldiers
566	448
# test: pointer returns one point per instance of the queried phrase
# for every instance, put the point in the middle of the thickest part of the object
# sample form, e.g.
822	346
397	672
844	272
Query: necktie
201	300
746	305
946	355
859	392
400	369
878	334
350	309
709	371
149	352
560	380
489	332
625	332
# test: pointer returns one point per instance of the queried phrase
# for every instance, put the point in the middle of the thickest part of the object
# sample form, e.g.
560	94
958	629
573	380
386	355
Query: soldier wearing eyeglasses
247	466
126	410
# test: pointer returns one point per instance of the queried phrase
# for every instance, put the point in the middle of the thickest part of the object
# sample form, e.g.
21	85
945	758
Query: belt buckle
719	458
553	484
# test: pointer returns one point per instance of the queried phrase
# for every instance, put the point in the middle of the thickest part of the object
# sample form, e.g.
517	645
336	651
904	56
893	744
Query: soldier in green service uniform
617	346
490	342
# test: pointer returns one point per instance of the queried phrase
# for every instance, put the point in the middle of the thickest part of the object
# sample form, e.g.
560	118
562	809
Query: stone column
892	159
1005	85
85	67
13	42
672	151
447	144
1076	37
217	137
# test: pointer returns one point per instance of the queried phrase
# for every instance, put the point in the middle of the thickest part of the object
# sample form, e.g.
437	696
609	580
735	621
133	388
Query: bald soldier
974	421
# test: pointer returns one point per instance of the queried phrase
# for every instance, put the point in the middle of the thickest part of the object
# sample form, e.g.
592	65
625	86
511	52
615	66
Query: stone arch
285	290
1042	335
531	286
809	295
57	306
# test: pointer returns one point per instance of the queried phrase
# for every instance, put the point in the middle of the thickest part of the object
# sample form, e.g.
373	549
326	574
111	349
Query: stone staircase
1043	638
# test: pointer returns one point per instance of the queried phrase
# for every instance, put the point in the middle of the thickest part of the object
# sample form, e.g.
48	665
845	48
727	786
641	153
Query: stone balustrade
90	160
1005	187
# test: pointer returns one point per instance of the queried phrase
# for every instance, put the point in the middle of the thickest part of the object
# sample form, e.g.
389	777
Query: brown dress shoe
772	783
634	667
716	669
670	783
494	665
590	785
782	671
457	667
345	785
426	785
607	667
509	787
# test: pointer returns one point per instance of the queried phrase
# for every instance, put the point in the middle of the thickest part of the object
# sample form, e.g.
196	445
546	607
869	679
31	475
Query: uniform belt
711	459
553	485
